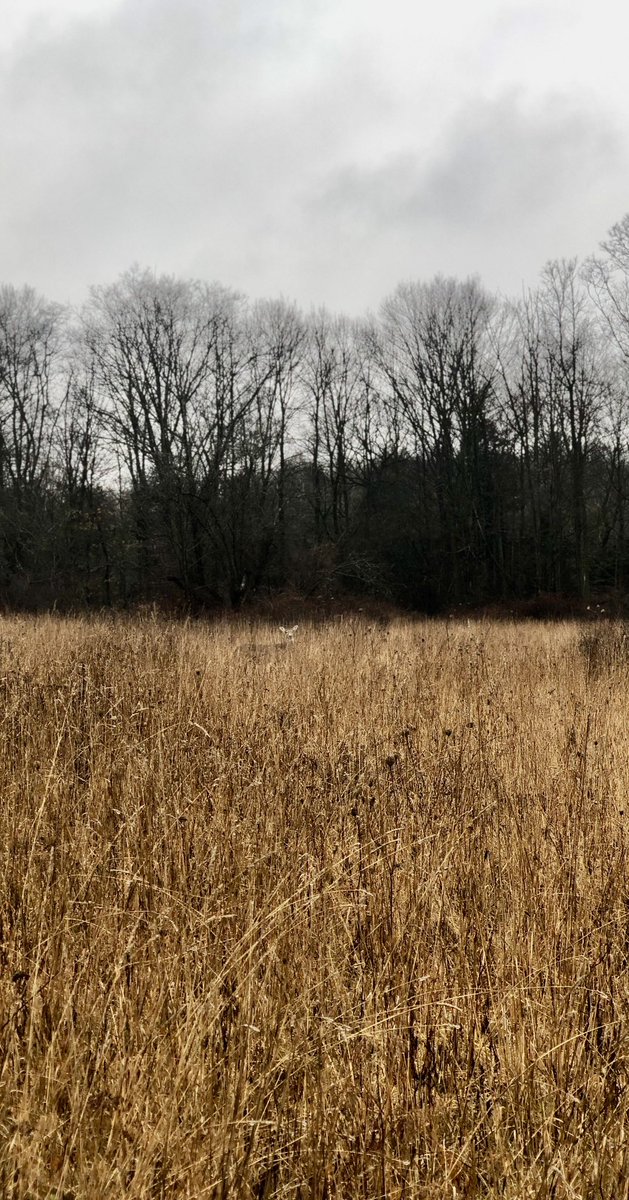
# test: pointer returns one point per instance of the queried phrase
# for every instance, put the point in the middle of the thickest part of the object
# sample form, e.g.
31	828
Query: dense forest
173	442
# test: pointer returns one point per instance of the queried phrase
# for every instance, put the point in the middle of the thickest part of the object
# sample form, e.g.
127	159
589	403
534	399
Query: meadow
341	918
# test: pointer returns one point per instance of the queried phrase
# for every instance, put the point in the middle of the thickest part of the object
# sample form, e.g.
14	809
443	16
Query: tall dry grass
348	918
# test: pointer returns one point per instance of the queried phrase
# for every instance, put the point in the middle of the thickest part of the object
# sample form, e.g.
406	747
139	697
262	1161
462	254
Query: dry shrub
347	920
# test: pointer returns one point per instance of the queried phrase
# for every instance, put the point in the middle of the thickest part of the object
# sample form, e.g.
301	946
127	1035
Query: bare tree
30	332
196	391
84	478
30	385
576	388
155	343
332	381
607	275
434	355
518	340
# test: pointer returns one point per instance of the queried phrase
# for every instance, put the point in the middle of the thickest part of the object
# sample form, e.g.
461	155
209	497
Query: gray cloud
165	133
503	162
242	141
509	187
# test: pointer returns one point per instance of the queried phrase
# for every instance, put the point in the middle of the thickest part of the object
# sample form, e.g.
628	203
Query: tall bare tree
434	355
577	386
31	335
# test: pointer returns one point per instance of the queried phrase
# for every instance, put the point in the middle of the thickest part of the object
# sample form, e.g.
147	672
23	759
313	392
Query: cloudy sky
323	150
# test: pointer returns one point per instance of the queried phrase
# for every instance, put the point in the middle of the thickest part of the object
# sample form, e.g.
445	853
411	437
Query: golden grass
344	919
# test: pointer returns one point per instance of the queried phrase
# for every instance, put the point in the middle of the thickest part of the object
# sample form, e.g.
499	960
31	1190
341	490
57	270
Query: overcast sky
323	150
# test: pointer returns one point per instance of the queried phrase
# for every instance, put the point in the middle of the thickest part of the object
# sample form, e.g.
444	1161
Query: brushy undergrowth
343	918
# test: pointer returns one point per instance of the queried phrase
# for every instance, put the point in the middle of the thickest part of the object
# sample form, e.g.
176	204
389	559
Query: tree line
173	441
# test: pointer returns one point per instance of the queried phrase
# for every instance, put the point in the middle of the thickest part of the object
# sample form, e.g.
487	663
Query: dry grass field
343	918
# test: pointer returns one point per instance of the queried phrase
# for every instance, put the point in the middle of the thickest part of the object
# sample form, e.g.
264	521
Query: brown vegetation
347	918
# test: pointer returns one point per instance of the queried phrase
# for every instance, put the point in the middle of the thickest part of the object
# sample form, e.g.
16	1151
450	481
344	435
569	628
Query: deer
268	649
